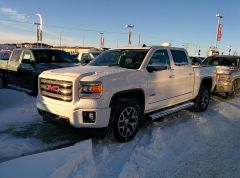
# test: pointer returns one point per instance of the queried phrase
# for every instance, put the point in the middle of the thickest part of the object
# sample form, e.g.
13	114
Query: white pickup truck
121	87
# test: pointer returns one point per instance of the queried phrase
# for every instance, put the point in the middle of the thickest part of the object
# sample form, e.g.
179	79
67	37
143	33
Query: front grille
56	89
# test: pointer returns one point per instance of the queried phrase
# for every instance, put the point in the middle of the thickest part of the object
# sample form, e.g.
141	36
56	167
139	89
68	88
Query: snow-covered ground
185	144
22	130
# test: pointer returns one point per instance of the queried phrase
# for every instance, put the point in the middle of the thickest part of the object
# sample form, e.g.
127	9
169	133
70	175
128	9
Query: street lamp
219	29
39	29
129	27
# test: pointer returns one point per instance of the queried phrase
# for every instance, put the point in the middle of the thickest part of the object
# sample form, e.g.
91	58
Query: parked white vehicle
123	85
86	57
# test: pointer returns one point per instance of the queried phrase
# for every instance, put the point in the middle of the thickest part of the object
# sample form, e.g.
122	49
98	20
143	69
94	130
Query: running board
165	112
19	88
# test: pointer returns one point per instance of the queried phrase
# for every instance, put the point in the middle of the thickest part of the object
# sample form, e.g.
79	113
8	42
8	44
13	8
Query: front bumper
223	87
71	115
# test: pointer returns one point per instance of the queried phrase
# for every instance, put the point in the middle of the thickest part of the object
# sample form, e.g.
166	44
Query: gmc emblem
52	88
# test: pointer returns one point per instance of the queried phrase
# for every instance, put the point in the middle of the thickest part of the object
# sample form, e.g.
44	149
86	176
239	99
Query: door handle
171	76
190	74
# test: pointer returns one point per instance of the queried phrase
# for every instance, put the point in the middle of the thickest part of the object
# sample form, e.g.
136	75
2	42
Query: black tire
202	100
227	95
126	118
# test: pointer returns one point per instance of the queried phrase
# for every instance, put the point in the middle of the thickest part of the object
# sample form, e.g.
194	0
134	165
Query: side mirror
157	67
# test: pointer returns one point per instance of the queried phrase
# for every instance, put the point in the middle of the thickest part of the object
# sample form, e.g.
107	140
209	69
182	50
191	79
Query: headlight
90	89
224	77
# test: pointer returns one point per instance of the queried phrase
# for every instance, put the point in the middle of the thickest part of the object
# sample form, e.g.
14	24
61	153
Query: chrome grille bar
56	89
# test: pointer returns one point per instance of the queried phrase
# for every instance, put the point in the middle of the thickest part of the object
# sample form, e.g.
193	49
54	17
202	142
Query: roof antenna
144	45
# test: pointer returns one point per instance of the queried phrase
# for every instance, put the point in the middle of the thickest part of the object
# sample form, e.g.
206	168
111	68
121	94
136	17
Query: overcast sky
189	22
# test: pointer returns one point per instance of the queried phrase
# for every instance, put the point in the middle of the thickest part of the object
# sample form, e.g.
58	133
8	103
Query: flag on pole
219	32
102	41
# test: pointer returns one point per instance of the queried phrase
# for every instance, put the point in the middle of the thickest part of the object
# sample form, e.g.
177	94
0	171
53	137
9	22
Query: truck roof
147	47
38	49
225	56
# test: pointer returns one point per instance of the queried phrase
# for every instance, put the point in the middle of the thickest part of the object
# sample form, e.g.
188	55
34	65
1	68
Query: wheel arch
136	94
208	82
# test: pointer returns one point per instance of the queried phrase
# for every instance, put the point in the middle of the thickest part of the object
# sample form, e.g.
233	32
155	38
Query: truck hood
84	71
225	69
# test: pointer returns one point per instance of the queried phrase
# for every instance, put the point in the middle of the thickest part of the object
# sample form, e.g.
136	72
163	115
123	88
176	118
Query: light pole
101	39
229	49
129	27
39	29
219	30
38	24
60	39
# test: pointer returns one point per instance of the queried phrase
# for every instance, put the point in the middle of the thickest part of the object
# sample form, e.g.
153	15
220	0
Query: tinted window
86	57
196	60
16	55
26	57
4	56
126	58
179	57
95	54
223	61
160	57
53	56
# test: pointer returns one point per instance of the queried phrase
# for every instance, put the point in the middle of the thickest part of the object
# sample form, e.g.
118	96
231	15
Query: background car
228	73
196	60
86	57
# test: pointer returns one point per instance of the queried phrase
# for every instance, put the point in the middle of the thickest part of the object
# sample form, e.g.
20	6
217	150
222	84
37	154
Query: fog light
89	116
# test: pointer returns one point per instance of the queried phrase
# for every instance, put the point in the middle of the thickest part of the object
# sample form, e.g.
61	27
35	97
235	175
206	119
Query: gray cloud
14	14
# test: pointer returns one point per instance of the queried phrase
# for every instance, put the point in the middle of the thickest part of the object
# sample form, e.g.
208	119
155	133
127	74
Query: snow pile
16	108
75	161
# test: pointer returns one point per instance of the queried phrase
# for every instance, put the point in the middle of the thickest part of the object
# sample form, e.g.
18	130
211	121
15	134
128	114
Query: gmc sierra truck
22	69
121	87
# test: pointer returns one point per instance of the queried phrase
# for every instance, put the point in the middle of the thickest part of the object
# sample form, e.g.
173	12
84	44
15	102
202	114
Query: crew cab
122	87
22	69
228	73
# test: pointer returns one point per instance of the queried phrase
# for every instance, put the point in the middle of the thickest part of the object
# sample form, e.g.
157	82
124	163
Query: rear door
184	74
12	75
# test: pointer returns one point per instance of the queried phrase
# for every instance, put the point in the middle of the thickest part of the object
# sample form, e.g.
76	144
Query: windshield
126	58
95	54
53	56
222	61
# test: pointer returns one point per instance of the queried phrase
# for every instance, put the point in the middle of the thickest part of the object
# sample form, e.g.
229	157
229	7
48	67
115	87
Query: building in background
76	49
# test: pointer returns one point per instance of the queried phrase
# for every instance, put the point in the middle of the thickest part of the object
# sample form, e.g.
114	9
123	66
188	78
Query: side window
160	57
16	55
179	57
26	57
86	57
4	56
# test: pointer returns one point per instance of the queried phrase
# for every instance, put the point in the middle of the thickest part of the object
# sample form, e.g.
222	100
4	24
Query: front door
160	82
